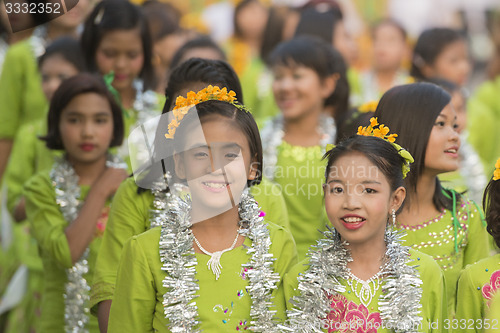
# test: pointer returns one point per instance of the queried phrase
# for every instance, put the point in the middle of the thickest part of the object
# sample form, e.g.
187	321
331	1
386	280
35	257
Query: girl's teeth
353	219
215	185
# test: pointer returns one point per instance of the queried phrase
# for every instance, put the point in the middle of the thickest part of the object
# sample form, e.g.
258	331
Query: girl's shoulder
39	180
424	263
485	267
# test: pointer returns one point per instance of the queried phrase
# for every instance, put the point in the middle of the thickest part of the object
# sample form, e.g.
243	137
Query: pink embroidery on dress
346	316
101	222
490	288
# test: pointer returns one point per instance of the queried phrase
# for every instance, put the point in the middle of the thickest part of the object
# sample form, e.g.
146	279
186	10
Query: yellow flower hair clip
496	173
183	104
382	131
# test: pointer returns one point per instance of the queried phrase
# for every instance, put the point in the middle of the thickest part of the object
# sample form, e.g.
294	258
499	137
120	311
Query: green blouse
436	238
347	308
20	90
223	304
476	287
493	316
48	226
300	172
130	216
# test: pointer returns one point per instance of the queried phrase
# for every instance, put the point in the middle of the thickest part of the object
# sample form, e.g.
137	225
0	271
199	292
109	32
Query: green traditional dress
130	216
48	228
300	172
223	304
477	285
21	92
493	317
436	238
353	312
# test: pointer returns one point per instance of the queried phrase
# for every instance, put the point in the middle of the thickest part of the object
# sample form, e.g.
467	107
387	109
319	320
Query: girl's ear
398	197
428	71
329	84
180	170
254	170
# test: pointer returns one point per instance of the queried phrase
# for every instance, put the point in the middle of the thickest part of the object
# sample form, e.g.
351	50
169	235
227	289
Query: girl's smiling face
121	51
359	200
299	91
216	163
441	154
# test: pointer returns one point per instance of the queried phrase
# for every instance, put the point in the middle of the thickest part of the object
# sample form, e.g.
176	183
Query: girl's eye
370	190
231	156
297	76
102	120
133	55
455	126
72	120
336	190
200	155
440	123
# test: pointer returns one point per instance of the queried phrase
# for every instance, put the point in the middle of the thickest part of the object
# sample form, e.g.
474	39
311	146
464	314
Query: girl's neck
303	131
56	31
367	258
385	79
217	233
88	172
127	97
421	206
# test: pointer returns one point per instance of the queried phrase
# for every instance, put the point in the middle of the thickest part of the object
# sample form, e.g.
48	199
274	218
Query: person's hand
109	181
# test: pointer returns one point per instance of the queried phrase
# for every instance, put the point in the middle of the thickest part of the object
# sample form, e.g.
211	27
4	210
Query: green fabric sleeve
270	199
469	300
478	246
47	222
291	283
129	216
134	302
20	90
493	317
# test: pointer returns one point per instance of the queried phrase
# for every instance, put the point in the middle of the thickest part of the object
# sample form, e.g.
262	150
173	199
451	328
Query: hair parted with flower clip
381	131
496	173
184	104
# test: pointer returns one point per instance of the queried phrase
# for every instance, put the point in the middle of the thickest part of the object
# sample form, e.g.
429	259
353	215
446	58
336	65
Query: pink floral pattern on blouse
346	316
491	288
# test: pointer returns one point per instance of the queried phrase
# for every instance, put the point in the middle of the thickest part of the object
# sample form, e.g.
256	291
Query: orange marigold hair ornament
382	131
184	104
496	173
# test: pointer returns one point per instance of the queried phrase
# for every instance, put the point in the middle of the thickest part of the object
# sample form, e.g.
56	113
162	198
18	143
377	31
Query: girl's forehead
354	167
217	130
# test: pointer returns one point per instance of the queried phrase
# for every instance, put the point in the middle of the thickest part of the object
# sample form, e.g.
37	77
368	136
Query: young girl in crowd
479	282
20	91
134	209
241	287
441	53
305	77
439	222
61	60
116	40
68	206
360	278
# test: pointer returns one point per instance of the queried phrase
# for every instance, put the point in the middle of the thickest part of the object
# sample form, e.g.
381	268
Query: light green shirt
223	304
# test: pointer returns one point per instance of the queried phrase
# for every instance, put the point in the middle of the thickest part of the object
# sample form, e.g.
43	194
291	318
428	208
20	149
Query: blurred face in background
389	47
344	43
251	20
452	64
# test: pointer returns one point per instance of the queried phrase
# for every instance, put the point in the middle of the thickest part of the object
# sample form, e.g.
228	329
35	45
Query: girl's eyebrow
77	113
363	182
442	115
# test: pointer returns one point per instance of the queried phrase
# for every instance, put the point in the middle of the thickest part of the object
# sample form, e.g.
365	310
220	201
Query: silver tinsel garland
272	137
399	305
76	296
179	262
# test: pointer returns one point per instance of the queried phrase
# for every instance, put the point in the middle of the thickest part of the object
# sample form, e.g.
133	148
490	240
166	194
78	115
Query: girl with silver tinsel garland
359	278
439	221
213	264
67	206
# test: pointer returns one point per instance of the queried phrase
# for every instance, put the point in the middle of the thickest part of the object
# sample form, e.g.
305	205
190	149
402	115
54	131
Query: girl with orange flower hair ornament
479	282
359	277
305	78
213	264
440	222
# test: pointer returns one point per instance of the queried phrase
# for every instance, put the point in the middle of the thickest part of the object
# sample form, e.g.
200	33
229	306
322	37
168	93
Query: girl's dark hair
491	204
411	111
273	31
378	151
214	72
429	46
82	83
320	23
348	126
243	119
69	49
162	17
201	42
321	57
112	15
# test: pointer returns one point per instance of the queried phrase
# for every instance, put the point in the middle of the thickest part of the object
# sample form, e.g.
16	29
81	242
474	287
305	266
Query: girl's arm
469	303
134	300
80	232
478	246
